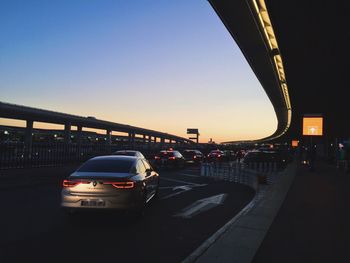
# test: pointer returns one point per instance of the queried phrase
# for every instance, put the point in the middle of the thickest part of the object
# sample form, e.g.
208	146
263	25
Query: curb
240	238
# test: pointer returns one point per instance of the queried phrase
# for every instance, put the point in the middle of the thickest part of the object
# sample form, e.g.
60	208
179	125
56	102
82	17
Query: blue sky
164	65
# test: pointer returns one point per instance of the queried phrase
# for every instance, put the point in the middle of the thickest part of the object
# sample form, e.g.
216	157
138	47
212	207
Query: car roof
115	157
129	151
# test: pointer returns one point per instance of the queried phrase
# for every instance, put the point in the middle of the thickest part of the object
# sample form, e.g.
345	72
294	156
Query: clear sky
163	65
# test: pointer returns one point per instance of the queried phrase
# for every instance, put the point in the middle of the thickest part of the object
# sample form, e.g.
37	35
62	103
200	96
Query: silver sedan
111	182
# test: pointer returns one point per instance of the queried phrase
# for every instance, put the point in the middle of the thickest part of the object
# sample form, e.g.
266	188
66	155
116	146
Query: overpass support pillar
155	142
79	135
149	141
162	141
67	132
132	139
28	139
144	139
108	140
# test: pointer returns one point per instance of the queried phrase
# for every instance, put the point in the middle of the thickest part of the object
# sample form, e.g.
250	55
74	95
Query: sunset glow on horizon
159	65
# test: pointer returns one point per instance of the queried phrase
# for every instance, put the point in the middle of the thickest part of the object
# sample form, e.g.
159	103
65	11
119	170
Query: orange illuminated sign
313	126
295	143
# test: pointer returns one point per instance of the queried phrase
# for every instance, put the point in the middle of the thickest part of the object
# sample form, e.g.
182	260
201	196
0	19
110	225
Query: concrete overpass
31	115
299	51
248	23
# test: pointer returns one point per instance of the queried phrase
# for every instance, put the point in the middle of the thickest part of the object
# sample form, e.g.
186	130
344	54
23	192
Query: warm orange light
70	183
295	143
121	185
313	126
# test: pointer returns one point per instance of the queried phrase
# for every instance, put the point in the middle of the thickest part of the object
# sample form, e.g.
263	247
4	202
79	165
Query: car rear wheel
140	210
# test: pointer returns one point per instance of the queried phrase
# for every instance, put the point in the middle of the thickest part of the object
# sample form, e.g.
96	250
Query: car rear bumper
127	201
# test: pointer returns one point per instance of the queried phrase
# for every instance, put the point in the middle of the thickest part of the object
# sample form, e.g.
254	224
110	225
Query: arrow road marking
201	206
190	175
182	188
178	181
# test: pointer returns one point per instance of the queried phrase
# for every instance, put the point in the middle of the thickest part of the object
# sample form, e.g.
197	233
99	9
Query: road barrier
16	155
251	174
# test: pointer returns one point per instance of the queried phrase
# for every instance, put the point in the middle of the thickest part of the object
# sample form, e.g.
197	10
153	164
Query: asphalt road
189	210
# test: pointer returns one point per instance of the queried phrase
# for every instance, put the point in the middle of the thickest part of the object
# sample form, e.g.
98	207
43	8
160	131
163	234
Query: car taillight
71	183
172	158
121	185
194	157
219	155
156	157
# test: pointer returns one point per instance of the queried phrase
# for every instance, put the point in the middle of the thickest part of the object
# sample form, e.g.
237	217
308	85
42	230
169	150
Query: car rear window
189	153
125	153
107	166
166	154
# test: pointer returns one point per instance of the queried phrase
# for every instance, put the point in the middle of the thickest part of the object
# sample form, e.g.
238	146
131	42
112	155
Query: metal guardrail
251	174
17	155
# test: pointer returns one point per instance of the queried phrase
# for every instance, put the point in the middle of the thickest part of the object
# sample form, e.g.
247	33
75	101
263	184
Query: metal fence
16	155
251	174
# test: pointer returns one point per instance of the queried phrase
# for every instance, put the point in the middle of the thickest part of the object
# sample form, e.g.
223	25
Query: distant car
169	159
215	155
110	182
129	153
193	156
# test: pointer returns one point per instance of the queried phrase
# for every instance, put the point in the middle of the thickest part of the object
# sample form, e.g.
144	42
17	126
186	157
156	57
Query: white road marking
211	240
174	194
202	205
182	188
190	170
177	181
190	175
166	187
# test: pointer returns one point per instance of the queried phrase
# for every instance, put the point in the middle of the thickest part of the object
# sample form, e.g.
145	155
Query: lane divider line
211	240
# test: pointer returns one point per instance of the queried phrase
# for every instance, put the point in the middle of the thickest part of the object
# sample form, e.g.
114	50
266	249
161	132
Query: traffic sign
313	125
192	131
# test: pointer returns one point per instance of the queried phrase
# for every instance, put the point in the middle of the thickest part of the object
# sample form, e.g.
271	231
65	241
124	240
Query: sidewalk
313	224
304	217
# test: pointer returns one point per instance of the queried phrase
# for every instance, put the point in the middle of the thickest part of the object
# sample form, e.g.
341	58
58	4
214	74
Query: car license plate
97	203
